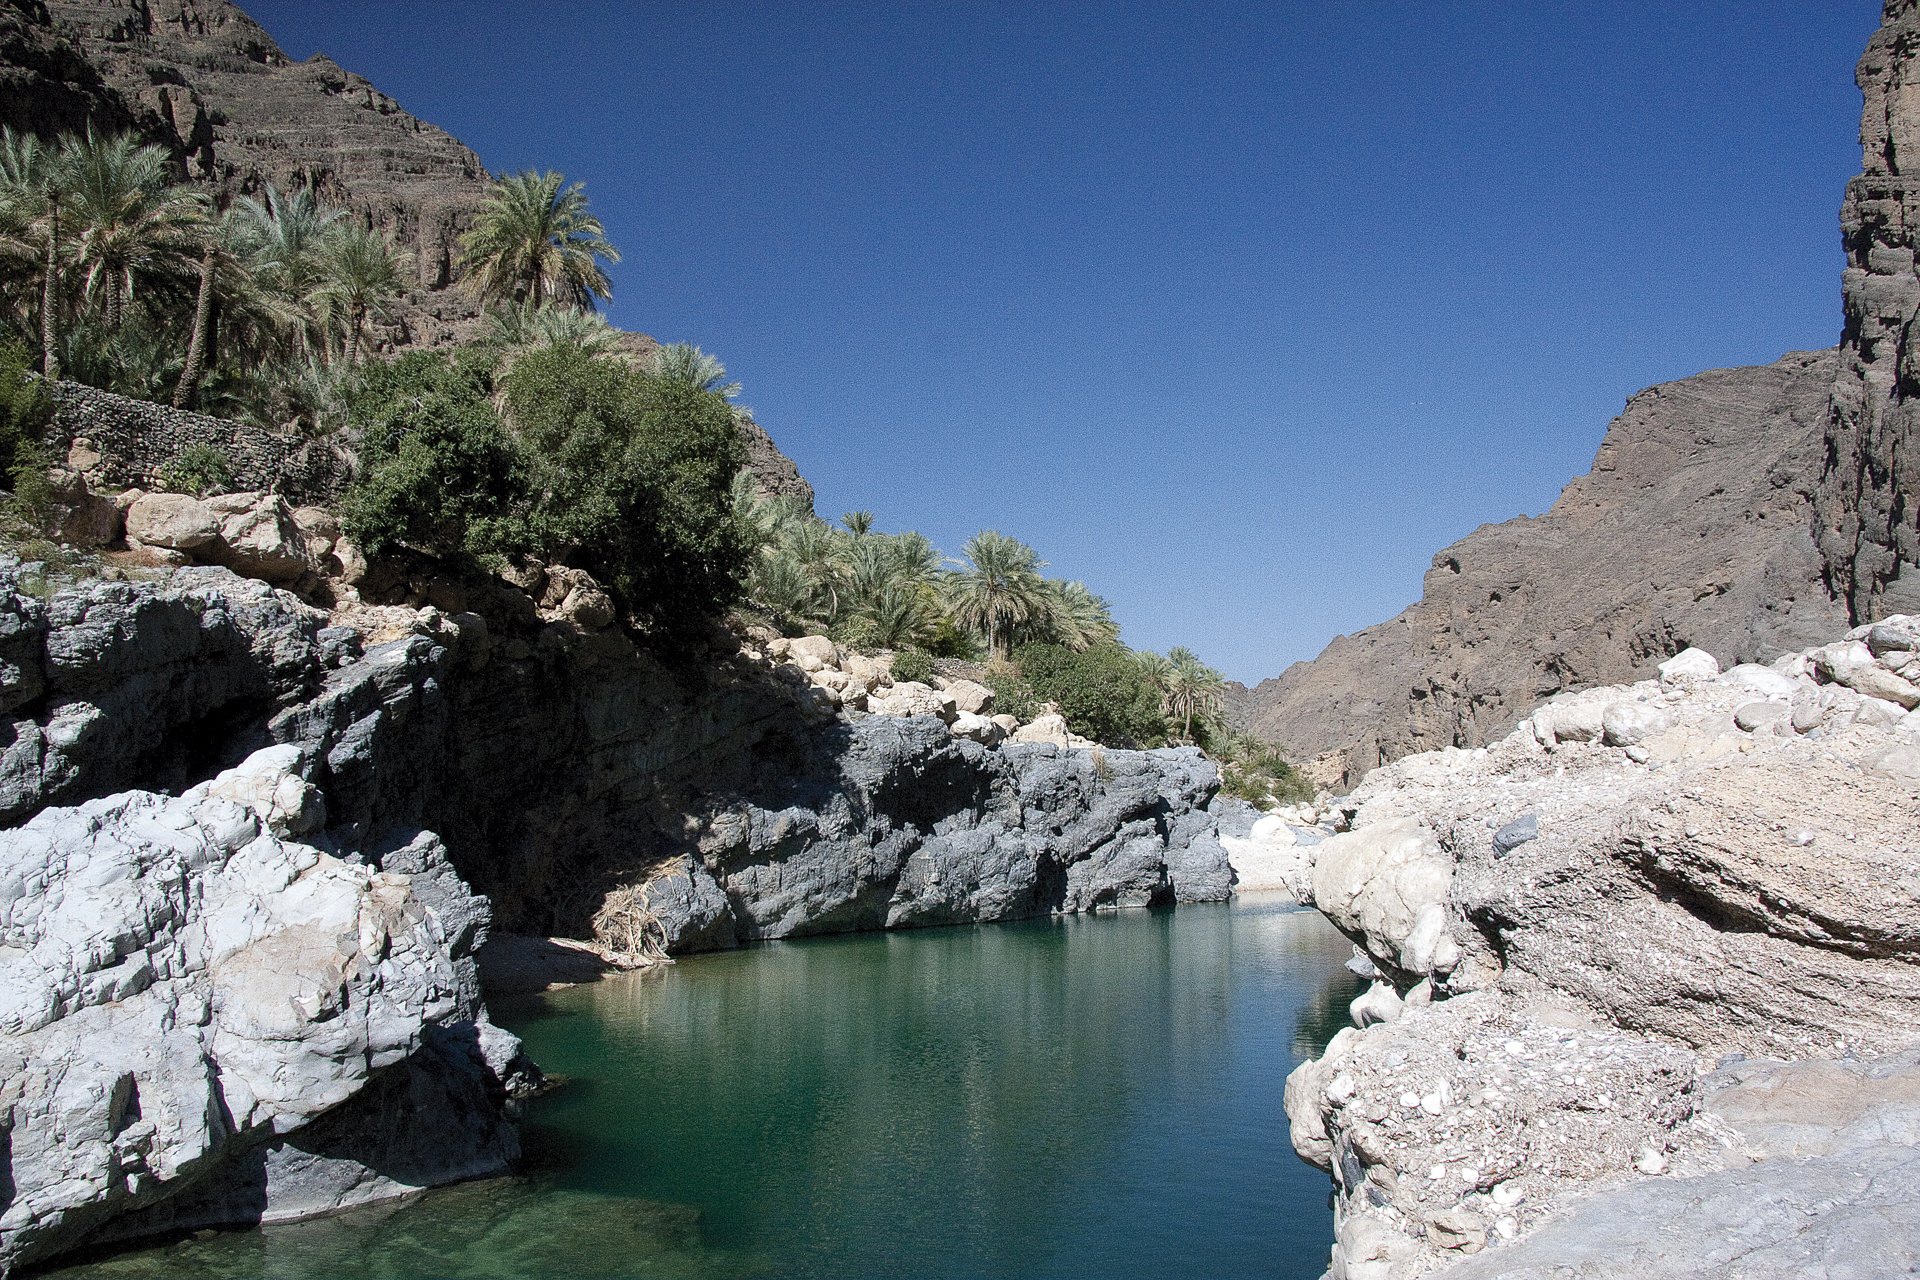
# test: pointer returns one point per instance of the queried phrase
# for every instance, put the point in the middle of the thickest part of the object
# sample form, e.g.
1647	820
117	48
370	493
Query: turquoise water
1069	1097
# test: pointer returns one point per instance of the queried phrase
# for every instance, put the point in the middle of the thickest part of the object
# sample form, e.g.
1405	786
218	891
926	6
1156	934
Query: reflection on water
1063	1097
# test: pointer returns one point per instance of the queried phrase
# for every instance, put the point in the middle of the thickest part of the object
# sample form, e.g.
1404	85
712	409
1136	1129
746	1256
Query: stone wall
125	442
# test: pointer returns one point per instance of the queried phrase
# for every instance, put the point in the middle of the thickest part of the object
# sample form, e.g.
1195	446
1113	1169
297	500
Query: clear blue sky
1237	312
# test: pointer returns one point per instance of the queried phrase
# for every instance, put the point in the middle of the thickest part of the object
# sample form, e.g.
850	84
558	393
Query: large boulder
184	994
259	538
173	521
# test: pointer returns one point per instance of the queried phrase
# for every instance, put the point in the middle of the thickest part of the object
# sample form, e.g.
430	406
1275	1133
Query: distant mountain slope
208	82
1747	511
1693	528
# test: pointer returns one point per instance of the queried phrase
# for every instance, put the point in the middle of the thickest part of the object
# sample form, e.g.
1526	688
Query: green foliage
533	240
1012	694
25	406
33	495
596	463
913	664
631	473
1102	691
1256	771
198	469
439	472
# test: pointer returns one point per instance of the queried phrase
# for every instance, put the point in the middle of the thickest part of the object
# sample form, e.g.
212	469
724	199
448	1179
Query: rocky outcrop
205	1020
560	764
1644	964
1866	519
1692	528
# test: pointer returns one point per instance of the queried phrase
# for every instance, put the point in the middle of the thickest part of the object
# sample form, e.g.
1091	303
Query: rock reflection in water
1054	1098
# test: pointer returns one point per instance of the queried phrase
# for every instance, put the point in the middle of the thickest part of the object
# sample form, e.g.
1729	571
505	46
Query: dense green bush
594	463
25	409
439	472
1102	691
1012	695
913	664
630	473
199	469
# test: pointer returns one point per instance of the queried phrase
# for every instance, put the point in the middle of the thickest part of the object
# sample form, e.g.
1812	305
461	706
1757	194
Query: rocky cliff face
205	80
1745	511
1692	528
1649	992
1868	522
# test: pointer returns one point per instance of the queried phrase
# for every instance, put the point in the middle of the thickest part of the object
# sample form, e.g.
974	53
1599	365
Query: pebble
1650	1162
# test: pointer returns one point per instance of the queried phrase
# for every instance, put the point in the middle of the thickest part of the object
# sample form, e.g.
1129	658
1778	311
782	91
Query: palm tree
284	239
857	523
130	224
1078	618
817	554
516	330
534	240
361	276
1194	689
996	589
248	307
34	180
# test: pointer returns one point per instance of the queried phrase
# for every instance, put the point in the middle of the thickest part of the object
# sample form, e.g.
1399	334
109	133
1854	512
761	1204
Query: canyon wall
1692	528
1745	511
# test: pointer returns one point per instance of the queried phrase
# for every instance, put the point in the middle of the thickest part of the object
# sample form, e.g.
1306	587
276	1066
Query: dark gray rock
1516	833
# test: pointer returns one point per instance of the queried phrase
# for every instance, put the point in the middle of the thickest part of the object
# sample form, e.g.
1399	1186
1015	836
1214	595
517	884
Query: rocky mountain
1867	517
1692	528
1745	511
206	81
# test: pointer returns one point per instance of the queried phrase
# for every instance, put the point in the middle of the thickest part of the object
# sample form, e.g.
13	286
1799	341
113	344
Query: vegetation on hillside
546	437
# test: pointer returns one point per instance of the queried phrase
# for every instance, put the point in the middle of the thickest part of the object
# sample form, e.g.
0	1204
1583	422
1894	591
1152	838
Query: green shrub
913	664
631	473
25	408
595	464
439	471
1102	692
199	469
1012	695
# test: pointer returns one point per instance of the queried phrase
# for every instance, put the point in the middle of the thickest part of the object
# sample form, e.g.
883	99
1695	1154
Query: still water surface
1068	1097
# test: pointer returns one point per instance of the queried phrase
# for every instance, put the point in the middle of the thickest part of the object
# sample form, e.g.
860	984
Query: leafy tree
996	590
24	407
631	473
439	472
1101	690
535	241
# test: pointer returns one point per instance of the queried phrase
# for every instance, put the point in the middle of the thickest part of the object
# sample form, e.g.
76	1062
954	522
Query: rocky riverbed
1648	983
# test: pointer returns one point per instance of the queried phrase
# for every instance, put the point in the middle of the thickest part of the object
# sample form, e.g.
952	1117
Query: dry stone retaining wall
126	442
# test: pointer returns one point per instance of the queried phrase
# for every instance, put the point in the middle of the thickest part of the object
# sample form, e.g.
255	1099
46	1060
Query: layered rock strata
1648	982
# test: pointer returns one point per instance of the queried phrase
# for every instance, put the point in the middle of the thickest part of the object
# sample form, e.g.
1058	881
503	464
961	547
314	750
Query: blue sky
1237	312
